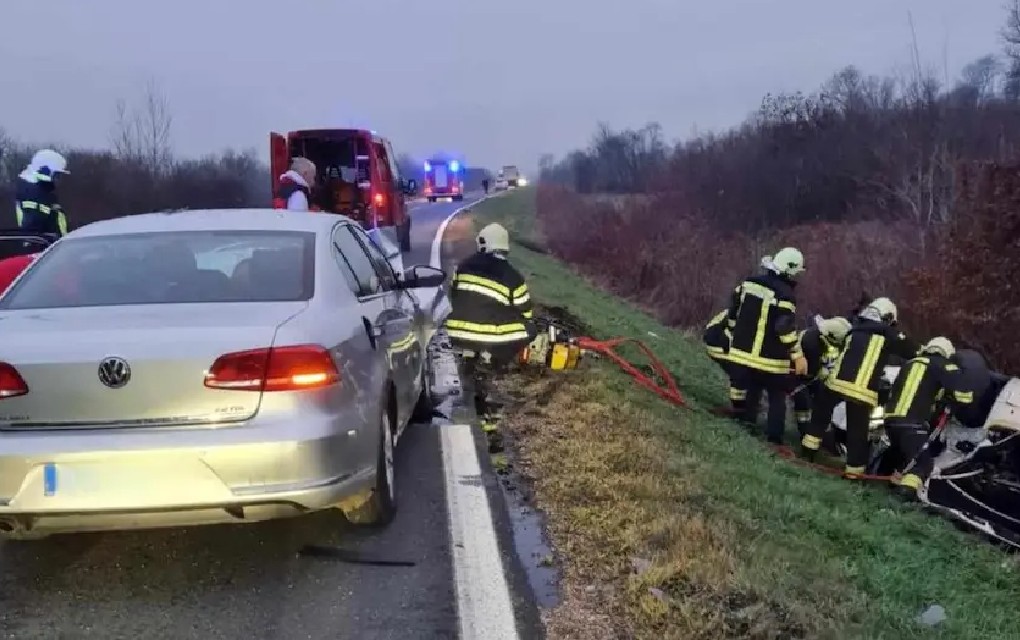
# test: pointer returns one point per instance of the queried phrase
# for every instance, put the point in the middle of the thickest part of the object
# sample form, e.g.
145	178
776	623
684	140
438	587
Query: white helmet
880	310
788	262
50	160
493	238
940	346
834	328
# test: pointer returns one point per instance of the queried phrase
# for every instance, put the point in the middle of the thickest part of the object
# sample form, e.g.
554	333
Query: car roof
213	220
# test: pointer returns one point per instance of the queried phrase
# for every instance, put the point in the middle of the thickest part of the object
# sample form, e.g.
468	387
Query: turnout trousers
482	367
752	384
803	391
858	419
910	440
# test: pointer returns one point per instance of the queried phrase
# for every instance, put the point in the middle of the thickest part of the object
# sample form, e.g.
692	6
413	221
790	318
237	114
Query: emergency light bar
452	165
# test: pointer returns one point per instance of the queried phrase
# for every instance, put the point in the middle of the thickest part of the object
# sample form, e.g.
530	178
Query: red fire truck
444	179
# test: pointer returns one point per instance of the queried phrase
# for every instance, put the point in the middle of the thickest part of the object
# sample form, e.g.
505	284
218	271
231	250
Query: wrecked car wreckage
976	477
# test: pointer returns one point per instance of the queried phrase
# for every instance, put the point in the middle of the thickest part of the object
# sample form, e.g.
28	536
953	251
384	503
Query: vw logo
114	372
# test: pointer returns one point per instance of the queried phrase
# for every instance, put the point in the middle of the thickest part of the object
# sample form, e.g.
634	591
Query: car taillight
11	382
428	189
273	369
378	200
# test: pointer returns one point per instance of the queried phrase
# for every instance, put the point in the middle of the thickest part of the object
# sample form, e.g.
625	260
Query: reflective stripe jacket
762	324
715	338
922	383
819	352
491	303
36	209
865	354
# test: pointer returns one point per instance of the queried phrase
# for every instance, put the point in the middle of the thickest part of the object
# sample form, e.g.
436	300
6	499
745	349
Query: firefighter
36	206
717	345
485	185
925	384
491	318
821	345
294	190
763	339
855	380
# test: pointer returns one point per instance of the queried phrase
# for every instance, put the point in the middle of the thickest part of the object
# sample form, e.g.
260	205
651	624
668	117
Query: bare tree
142	133
982	76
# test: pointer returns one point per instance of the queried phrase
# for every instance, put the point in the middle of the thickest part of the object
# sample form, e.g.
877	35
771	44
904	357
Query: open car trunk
343	172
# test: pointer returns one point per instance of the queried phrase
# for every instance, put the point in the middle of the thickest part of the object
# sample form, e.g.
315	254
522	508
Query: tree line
892	185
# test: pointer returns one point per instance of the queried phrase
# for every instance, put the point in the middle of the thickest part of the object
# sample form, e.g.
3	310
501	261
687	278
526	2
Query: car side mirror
422	277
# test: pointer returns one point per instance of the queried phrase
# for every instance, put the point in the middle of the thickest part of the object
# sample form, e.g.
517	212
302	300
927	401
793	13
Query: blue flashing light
428	166
454	166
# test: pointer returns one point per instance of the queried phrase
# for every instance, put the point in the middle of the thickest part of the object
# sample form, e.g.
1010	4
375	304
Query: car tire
381	507
404	235
459	198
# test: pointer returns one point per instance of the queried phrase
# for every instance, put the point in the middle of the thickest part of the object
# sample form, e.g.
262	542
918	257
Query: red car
357	176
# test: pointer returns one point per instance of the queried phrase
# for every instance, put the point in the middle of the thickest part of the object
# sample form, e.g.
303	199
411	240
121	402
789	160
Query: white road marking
484	606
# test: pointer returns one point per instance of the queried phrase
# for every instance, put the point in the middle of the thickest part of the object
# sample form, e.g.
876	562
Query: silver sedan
204	367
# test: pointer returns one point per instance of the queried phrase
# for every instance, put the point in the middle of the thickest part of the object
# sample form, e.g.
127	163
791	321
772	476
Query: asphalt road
248	581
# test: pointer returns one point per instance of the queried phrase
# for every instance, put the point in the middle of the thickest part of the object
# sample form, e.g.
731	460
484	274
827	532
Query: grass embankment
675	523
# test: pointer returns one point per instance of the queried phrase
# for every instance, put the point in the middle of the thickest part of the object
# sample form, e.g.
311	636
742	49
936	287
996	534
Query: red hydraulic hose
668	390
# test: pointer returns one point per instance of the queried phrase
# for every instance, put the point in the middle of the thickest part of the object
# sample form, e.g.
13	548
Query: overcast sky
500	81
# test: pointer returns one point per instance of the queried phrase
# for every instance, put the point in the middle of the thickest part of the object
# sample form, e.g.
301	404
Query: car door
399	198
367	350
406	355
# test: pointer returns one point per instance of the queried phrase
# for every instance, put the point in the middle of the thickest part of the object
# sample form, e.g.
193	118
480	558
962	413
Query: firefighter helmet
788	262
835	329
880	310
493	238
49	160
941	346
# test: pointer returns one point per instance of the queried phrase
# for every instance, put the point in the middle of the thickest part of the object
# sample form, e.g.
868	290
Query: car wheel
381	507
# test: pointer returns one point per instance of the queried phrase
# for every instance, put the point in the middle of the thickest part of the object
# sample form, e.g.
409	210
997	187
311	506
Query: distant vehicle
501	183
513	176
357	177
443	179
264	365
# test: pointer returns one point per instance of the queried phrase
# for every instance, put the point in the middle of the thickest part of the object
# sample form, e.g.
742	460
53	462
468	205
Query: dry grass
643	559
674	523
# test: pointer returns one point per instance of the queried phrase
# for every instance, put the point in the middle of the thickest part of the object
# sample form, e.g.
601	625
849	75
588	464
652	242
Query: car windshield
169	268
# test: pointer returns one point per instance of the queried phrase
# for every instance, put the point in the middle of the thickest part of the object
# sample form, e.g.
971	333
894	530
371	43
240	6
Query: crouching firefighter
924	386
820	345
491	318
855	380
763	340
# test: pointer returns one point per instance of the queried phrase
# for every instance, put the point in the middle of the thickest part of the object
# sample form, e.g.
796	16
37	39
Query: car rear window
170	268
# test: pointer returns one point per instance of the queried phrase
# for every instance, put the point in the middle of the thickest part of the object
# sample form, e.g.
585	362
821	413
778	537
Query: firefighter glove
800	365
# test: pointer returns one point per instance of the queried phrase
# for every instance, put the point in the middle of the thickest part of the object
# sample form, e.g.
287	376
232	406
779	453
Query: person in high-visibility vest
491	320
36	206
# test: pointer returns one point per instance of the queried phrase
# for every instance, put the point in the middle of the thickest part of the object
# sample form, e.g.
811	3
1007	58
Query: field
674	523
